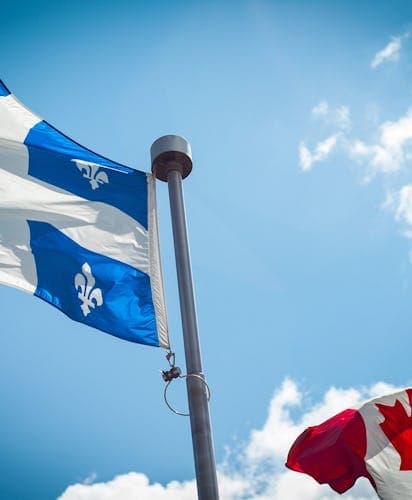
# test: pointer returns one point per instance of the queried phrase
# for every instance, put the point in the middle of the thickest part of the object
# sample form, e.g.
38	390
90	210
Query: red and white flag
374	441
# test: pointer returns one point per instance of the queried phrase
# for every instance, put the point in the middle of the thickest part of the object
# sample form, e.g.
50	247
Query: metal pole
172	162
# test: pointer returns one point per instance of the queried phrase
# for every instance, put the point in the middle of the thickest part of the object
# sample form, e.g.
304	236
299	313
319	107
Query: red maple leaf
397	427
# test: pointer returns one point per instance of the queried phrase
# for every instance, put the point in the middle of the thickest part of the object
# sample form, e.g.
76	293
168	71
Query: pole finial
171	152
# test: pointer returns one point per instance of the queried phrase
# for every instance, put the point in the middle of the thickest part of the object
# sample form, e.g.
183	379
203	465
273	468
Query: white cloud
130	486
404	204
338	116
400	202
389	201
321	109
393	147
388	53
342	117
90	479
305	157
258	471
320	153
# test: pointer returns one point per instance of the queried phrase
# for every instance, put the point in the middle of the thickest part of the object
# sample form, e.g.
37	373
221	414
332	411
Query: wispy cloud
90	479
333	116
404	204
258	471
342	117
388	153
390	52
400	203
321	151
321	109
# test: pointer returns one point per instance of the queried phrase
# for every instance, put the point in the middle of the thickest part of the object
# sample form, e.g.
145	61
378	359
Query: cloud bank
256	470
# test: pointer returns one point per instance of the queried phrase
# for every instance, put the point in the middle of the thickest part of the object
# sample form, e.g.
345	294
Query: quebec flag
78	230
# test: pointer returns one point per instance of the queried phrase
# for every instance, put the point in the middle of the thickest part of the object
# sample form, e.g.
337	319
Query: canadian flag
374	441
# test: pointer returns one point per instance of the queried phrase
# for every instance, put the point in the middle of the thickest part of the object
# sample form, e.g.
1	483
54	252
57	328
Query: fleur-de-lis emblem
90	296
92	172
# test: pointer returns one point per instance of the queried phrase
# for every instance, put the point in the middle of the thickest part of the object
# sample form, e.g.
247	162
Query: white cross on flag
373	441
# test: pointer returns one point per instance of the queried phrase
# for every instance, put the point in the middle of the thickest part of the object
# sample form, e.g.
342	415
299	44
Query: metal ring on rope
185	376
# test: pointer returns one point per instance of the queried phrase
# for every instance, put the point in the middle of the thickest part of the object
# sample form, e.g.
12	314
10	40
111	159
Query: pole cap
171	152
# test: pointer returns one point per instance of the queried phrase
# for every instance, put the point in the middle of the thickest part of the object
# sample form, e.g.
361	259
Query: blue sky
302	267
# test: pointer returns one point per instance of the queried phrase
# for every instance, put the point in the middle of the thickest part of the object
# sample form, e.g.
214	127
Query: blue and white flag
78	230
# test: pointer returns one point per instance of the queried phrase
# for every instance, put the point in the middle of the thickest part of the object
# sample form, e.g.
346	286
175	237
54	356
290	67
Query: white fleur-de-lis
92	172
90	296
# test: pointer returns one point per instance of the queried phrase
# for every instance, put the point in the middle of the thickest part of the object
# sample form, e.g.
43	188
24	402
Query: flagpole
171	162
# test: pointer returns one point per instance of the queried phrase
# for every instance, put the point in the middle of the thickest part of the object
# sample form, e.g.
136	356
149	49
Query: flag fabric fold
373	441
78	230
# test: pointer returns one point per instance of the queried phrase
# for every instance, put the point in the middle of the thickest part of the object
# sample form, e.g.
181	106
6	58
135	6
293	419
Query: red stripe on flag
332	452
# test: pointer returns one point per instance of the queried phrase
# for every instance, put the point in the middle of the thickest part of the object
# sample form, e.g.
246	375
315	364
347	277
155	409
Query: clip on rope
175	372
